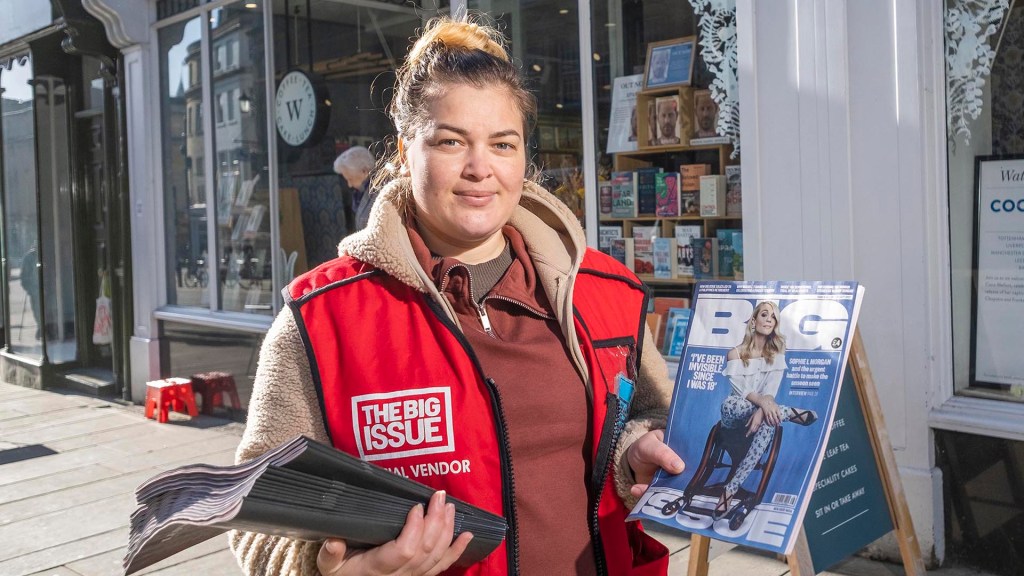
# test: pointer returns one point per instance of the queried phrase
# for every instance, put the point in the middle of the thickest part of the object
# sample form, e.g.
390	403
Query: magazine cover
758	381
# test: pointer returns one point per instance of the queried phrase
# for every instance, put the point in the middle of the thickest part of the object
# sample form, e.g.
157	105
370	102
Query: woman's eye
505	146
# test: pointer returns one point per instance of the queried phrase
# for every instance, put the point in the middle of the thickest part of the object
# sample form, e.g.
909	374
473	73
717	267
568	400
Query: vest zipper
610	432
504	447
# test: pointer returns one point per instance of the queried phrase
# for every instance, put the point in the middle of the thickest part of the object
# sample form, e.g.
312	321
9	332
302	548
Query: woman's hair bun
464	34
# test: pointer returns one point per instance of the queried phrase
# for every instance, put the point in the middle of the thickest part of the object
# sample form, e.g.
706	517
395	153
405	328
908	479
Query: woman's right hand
424	547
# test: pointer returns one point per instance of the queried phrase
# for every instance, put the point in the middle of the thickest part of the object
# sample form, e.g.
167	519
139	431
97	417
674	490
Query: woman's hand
772	413
424	546
754	422
649	454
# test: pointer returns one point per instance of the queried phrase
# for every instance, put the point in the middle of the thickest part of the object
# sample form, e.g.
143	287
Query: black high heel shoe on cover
803	417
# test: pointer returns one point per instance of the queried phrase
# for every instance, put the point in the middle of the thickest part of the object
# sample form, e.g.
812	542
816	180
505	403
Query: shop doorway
63	223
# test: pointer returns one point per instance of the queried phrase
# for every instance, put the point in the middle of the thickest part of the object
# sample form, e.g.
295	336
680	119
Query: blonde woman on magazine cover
755	369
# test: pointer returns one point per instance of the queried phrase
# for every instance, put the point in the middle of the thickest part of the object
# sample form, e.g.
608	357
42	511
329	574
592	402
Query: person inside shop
355	165
755	368
471	291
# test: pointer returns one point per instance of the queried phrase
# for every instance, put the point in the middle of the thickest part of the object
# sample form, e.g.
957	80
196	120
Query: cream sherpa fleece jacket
284	402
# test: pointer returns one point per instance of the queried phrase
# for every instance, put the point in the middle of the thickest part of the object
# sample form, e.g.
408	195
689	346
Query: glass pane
986	201
242	184
355	48
55	216
544	40
24	334
181	113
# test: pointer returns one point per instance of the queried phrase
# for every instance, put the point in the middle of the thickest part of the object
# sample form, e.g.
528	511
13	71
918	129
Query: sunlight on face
467	165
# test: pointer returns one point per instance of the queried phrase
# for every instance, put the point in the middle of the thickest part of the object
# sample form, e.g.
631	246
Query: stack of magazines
301	489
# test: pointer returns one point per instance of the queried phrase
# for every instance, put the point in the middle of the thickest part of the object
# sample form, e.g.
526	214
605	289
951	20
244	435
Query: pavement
69	465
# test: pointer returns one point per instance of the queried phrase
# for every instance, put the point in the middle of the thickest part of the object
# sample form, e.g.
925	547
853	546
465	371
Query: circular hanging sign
301	112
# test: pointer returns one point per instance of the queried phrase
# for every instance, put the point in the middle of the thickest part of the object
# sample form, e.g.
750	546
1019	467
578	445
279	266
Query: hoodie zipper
504	446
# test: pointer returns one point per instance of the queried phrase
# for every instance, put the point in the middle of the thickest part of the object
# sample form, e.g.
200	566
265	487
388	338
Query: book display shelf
673	212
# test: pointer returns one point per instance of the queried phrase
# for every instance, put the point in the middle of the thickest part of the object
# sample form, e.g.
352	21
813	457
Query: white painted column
835	116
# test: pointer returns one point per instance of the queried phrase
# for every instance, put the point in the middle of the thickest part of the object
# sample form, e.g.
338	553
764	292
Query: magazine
301	489
753	489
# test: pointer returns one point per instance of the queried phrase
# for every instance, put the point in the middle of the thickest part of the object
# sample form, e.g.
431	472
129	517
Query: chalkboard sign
848	509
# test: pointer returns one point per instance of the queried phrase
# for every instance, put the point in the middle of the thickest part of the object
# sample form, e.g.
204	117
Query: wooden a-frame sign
800	561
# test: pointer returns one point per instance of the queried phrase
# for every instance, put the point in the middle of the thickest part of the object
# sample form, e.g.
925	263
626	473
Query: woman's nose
478	165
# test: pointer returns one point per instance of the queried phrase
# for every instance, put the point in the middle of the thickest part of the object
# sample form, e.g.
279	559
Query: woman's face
764	321
467	165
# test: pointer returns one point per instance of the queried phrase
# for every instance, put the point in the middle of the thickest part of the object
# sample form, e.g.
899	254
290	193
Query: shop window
350	49
985	91
21	231
669	198
240	181
544	40
219	247
183	157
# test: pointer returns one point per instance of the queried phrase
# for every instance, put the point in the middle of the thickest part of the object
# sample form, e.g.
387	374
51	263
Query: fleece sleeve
283	405
648	411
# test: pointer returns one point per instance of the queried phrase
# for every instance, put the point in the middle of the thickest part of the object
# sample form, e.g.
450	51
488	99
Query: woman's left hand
649	454
772	413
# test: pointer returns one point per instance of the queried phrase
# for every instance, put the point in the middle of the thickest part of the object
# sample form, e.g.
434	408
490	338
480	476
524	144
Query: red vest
399	386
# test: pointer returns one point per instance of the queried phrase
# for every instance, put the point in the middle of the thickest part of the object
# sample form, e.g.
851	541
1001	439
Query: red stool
212	386
173	393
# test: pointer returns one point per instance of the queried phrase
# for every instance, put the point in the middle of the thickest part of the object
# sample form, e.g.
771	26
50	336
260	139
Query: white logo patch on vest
403	423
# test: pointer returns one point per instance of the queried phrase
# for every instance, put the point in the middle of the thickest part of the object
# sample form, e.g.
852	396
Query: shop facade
66	288
848	171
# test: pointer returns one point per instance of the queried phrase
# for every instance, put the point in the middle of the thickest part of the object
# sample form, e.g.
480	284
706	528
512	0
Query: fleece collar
553	237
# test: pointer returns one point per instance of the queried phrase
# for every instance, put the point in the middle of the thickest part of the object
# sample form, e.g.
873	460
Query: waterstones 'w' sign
300	111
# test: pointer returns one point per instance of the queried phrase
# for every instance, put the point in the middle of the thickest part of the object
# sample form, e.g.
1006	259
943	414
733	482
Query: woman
755	370
471	291
355	165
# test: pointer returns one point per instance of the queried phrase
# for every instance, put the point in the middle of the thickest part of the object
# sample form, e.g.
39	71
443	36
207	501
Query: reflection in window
241	182
184	190
24	327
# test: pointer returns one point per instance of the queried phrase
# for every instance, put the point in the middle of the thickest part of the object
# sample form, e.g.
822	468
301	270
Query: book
712	195
646	194
645	231
725	252
691	174
661	305
737	254
675	335
622	121
733	192
669	120
664	257
605	234
763	508
654	322
622	250
624	195
684	233
604	196
705	257
666	192
643	256
301	489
